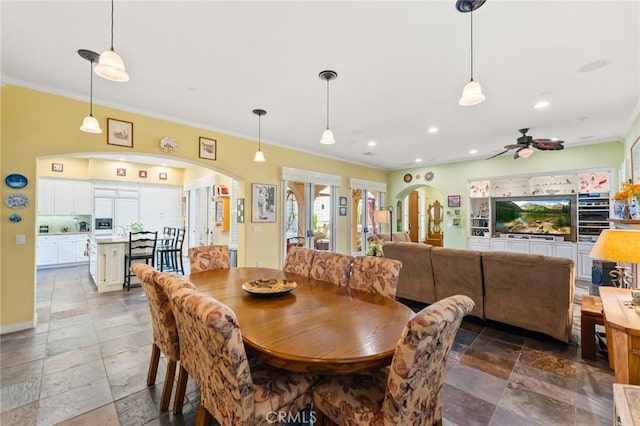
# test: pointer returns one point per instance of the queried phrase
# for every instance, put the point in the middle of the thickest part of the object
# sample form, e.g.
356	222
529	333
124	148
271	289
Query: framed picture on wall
208	148
263	203
343	201
119	132
343	211
453	201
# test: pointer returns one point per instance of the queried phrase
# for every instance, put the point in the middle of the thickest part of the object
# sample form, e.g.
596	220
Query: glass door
366	198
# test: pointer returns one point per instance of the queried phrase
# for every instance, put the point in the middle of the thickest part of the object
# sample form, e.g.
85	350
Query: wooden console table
622	324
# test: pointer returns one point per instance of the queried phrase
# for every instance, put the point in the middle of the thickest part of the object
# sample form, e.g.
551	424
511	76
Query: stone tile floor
86	363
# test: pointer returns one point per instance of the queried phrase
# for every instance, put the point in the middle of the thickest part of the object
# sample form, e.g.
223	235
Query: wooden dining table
318	327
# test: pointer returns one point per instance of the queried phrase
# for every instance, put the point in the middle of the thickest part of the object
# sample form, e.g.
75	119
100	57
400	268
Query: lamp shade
111	67
617	245
525	152
90	125
327	138
381	216
471	94
259	157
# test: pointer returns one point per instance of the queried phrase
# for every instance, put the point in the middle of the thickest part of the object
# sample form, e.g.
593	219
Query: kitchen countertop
63	233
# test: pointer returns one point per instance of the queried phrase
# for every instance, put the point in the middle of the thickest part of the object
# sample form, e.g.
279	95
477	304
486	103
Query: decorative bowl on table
269	286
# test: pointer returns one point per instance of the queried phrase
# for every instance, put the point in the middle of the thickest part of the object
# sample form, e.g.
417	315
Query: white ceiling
401	68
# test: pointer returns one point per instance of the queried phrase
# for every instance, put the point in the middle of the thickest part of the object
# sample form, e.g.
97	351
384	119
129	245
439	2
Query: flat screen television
548	216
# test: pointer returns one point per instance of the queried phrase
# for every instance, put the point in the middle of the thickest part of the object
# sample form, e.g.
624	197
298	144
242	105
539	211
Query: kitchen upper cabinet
160	207
64	197
45	197
72	197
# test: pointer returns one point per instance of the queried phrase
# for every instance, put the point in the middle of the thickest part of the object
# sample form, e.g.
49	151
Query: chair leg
204	417
153	364
168	385
181	388
181	263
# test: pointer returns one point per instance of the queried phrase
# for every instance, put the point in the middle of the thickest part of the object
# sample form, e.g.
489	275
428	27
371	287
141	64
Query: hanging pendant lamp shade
259	157
472	92
90	123
327	135
110	65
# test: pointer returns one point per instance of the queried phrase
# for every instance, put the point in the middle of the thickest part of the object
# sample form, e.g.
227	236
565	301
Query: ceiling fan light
90	125
327	138
259	157
525	152
111	67
471	94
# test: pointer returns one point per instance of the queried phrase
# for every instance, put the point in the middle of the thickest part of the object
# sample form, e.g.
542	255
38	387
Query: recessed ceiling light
592	66
473	151
555	139
122	159
541	105
418	160
433	129
372	143
164	164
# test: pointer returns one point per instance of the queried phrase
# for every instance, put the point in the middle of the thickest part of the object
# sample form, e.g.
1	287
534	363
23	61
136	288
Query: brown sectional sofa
397	236
529	291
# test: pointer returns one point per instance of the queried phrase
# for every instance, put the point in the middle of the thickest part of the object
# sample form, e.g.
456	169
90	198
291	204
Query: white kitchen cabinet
46	250
106	265
566	250
66	249
72	197
103	208
125	212
518	246
45	197
160	207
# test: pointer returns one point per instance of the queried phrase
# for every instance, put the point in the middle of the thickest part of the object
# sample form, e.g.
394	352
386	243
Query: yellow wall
37	124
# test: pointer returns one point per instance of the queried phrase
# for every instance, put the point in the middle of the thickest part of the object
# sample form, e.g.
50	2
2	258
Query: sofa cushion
530	291
458	271
397	236
416	276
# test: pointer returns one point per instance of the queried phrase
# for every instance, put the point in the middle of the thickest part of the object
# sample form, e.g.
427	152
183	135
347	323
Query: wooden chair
142	246
332	267
376	275
409	391
298	261
171	255
165	332
233	389
206	258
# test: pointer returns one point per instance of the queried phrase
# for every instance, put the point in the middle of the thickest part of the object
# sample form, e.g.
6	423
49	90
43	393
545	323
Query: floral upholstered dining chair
233	389
409	391
298	261
165	332
376	275
206	258
332	267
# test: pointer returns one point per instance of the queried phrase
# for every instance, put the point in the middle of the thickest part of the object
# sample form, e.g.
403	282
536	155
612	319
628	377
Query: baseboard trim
12	328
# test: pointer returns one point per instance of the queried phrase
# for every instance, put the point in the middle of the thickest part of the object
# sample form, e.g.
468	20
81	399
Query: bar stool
142	246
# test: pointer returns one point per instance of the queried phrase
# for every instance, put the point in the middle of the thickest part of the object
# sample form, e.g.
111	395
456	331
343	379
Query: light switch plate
21	239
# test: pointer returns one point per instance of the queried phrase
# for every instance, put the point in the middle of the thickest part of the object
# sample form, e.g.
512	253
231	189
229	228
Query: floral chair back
376	275
409	391
233	389
298	261
206	258
332	267
419	362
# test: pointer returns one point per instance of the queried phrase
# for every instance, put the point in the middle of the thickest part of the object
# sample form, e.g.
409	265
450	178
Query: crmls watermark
301	417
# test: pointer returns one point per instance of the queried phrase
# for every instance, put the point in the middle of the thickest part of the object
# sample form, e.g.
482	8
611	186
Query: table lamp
618	245
384	216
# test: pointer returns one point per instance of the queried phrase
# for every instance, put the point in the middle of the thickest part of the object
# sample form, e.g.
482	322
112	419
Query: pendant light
472	92
110	65
327	135
259	157
90	124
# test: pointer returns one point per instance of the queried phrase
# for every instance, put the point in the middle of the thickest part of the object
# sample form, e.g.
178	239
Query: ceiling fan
525	142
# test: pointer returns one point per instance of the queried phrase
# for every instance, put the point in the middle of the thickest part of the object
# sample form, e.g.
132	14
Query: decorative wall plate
16	181
428	176
168	144
417	176
16	201
407	178
15	218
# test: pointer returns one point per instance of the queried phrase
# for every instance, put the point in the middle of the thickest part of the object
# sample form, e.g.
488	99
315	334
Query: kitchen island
106	261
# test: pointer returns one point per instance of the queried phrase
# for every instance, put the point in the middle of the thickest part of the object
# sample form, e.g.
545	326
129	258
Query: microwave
103	225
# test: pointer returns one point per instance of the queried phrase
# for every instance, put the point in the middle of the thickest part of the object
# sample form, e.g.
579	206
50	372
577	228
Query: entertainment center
558	215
